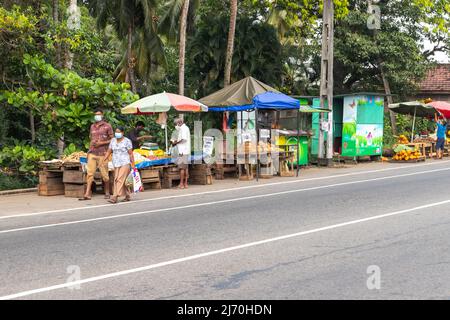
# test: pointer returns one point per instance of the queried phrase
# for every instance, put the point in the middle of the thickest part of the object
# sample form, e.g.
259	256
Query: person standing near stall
122	160
101	134
183	144
134	135
440	134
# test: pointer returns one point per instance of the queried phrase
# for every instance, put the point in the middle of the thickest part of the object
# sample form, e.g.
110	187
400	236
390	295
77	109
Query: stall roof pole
414	121
165	133
298	140
257	141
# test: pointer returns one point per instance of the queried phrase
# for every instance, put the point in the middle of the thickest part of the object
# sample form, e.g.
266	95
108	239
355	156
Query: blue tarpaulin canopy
266	100
273	100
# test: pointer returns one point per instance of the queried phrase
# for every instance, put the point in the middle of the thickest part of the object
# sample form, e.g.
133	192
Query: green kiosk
357	125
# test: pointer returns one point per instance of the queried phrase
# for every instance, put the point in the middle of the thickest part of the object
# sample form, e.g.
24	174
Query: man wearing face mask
183	143
101	134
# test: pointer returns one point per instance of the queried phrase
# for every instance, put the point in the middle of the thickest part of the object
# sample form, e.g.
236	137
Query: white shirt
120	156
184	148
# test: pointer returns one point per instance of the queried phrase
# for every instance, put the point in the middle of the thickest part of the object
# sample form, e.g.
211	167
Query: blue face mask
118	135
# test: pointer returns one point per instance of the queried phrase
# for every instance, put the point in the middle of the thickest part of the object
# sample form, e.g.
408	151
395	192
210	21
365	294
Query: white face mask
118	135
177	127
98	118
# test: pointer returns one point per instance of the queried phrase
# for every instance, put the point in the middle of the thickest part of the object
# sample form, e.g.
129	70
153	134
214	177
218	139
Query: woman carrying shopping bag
122	159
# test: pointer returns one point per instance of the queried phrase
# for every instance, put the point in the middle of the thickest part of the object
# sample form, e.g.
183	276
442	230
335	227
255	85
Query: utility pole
326	81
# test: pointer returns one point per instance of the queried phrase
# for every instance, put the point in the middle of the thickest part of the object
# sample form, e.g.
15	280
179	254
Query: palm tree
176	17
135	24
230	46
183	22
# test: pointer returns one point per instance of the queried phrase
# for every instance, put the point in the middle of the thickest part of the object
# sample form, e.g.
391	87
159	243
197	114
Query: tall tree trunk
387	91
131	75
32	127
182	54
55	12
73	23
230	45
31	116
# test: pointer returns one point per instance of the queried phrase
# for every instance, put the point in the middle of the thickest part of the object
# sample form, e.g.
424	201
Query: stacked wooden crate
151	177
200	174
223	169
170	174
51	181
75	182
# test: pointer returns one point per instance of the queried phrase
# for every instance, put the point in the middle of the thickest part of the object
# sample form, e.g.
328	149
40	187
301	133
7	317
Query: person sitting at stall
183	144
122	160
135	137
440	134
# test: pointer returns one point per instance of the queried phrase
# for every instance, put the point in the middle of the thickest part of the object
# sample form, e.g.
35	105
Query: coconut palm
135	24
230	45
176	19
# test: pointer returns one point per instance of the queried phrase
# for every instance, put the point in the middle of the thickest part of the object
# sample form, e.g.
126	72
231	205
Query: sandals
112	201
84	199
107	196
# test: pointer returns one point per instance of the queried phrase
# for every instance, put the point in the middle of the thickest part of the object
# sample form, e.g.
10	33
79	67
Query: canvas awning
413	108
308	109
240	93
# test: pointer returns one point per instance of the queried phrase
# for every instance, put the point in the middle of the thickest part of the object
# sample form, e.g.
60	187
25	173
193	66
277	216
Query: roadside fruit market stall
67	176
425	144
407	152
254	150
155	164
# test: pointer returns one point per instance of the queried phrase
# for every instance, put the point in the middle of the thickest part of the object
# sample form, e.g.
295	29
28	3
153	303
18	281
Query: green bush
23	159
10	182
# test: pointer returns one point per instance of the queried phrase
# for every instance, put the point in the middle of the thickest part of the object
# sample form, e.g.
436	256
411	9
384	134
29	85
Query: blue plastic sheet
266	100
167	161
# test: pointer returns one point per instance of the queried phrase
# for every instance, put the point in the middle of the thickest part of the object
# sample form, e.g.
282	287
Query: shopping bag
137	182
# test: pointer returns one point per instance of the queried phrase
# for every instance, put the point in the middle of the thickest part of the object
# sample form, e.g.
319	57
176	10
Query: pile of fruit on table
142	155
407	154
402	139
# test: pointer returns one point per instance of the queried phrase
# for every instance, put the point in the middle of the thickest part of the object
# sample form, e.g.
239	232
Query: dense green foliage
52	76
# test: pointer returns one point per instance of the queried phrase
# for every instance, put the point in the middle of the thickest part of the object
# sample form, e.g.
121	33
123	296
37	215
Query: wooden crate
168	182
202	180
246	172
149	174
223	170
73	190
151	184
50	183
50	190
74	176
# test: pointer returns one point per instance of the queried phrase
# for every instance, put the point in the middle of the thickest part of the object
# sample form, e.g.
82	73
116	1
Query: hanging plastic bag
137	182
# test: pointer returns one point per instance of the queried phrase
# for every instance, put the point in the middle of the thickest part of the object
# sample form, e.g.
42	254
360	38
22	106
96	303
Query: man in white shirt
183	144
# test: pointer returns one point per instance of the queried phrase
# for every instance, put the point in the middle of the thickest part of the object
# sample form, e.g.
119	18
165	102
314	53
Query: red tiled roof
437	80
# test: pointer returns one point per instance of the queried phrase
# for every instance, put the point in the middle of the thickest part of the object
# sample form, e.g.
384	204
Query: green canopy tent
239	93
413	108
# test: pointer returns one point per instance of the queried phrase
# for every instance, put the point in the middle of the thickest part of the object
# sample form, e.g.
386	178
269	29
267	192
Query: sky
440	57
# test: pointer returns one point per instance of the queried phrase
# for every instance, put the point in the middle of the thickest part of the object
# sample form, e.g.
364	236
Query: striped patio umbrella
163	102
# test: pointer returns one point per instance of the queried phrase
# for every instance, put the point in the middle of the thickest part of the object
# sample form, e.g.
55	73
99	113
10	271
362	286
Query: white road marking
216	252
220	191
216	202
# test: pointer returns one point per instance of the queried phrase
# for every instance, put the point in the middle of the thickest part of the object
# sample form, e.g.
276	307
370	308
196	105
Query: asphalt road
378	235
